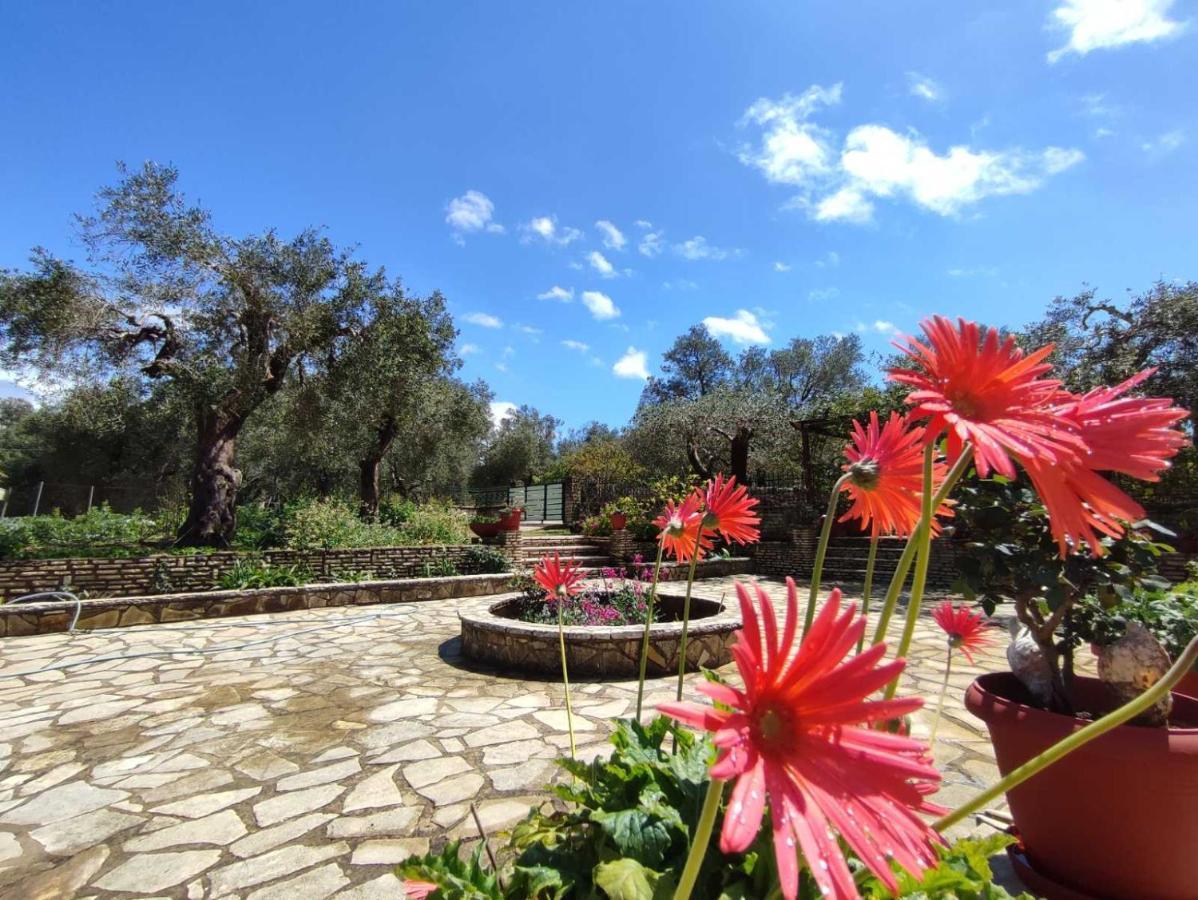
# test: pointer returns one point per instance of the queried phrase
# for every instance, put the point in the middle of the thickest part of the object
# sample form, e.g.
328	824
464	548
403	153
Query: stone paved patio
302	754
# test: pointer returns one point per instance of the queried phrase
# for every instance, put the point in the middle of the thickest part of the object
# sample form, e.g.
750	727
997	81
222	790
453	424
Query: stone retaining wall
171	573
40	618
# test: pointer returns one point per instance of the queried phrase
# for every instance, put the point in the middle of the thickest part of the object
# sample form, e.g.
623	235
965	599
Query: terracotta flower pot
485	529
1115	819
511	521
1188	685
619	521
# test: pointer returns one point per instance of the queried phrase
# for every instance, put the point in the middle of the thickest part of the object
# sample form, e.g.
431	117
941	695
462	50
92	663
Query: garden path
303	754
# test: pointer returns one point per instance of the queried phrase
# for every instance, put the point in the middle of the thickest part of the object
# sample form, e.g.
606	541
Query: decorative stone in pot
1115	819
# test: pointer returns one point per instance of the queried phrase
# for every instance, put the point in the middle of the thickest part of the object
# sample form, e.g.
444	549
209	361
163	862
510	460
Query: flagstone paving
304	754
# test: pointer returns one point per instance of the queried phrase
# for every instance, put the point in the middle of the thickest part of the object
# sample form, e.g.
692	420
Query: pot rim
987	700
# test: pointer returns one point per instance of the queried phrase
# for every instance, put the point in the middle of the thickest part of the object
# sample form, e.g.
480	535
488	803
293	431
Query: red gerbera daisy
559	581
966	628
987	391
798	736
1131	435
886	465
728	510
678	528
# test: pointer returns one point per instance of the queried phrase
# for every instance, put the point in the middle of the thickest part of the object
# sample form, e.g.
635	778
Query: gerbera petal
746	805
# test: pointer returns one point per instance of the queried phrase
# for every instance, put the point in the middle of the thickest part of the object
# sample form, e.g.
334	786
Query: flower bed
495	635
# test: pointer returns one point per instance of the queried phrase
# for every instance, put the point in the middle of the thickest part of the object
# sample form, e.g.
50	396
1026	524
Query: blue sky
585	181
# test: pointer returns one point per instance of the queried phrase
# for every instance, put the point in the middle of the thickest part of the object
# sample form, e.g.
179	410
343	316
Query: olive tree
167	297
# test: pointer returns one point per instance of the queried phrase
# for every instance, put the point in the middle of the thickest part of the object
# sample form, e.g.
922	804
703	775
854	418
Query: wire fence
45	497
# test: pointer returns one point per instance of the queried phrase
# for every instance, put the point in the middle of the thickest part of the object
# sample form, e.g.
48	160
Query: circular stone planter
490	636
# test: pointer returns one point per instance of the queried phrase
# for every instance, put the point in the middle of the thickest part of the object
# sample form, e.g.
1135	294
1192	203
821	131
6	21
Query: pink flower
798	736
965	628
559	581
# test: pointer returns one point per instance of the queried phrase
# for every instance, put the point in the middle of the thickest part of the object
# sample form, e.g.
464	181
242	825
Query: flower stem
640	687
1183	664
686	613
948	669
924	558
561	637
821	550
868	587
904	563
703	830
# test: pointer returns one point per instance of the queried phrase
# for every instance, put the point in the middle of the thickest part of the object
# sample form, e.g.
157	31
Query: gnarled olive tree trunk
212	515
370	466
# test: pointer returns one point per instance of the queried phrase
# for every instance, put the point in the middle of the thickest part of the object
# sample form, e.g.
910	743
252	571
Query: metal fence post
91	492
38	499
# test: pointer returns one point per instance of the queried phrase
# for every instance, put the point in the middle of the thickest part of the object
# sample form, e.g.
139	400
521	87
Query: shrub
1170	615
256	573
259	527
434	522
330	524
441	567
98	532
486	561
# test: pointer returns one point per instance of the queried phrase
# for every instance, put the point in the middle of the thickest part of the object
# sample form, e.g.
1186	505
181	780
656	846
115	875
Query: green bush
99	532
331	524
435	522
259	527
441	567
256	573
486	561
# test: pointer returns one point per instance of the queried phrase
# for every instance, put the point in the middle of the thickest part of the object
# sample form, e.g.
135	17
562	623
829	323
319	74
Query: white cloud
468	349
973	272
829	260
530	329
576	345
546	228
820	294
600	264
501	366
643	223
1103	24
631	365
924	87
613	237
680	284
470	212
883	327
600	305
698	248
743	328
557	292
651	244
792	149
1165	144
846	205
486	320
781	267
877	162
500	410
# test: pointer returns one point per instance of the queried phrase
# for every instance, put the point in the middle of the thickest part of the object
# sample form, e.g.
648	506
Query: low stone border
507	643
112	612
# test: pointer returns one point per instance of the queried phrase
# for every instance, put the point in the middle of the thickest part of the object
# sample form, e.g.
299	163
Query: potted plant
485	525
1116	818
617	512
509	518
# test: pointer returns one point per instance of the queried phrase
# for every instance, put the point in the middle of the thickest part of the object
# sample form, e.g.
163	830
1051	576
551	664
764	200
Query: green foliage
256	573
485	561
1170	615
259	526
440	567
456	879
332	524
100	532
962	872
625	831
1011	554
519	449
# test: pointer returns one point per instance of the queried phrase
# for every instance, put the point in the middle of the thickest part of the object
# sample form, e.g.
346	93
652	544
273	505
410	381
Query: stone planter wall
512	645
39	618
168	573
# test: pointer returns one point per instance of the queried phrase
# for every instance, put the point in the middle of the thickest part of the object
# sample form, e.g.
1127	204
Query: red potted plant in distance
485	525
509	518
